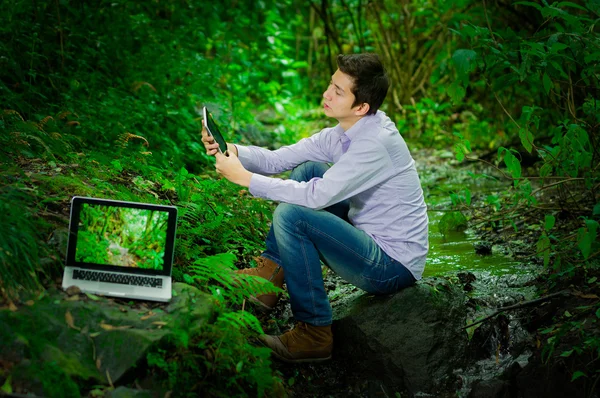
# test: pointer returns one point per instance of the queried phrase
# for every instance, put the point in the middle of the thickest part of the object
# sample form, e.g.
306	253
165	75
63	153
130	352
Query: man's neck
346	124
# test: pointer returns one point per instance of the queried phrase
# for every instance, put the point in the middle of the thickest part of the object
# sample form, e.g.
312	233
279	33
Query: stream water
500	280
455	252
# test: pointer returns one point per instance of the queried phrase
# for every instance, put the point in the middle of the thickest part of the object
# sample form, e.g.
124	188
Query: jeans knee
308	170
284	213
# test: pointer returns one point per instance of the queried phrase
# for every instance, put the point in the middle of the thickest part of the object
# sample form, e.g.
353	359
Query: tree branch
520	305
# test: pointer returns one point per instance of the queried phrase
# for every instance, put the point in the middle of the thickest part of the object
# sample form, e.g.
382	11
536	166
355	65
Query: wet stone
483	248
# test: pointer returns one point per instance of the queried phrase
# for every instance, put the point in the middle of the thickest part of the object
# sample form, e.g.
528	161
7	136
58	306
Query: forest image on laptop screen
121	236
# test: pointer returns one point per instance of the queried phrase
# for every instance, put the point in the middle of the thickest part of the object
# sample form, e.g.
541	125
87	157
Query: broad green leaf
598	313
592	226
570	4
460	152
513	165
545	170
547	83
550	220
7	387
467	144
526	139
463	59
543	248
529	3
471	329
92	296
584	242
592	280
566	353
577	375
559	69
596	209
468	196
556	47
456	92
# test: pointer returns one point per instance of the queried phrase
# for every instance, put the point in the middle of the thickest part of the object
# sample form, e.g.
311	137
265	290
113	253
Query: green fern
19	241
220	269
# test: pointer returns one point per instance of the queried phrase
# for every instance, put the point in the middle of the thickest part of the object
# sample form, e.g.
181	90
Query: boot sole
290	360
300	360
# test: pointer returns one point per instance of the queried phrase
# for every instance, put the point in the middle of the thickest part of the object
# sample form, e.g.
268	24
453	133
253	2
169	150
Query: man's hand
211	146
231	168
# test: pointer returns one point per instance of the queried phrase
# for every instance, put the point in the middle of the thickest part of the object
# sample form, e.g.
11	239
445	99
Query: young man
365	216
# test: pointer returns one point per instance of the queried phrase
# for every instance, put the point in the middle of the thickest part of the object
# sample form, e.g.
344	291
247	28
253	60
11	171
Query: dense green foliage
103	99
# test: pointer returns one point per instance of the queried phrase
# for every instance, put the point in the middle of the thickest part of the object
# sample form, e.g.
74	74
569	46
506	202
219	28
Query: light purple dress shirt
372	167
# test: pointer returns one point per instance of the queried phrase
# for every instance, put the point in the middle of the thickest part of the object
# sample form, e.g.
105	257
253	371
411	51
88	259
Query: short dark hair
370	79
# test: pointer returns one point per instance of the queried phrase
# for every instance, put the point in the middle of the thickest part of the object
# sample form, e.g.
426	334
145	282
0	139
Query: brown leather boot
270	271
304	343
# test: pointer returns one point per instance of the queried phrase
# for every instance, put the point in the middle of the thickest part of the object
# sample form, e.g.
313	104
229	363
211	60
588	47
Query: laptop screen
121	236
134	237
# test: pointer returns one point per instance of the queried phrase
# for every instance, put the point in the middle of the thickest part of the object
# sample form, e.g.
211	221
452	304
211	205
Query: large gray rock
411	341
91	339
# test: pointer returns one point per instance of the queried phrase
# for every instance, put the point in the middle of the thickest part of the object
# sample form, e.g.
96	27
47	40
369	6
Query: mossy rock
86	340
45	379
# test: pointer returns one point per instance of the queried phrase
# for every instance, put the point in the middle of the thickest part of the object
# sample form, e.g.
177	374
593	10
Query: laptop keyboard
123	279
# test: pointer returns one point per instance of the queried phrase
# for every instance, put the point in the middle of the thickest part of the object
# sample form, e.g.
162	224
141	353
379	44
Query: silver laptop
121	249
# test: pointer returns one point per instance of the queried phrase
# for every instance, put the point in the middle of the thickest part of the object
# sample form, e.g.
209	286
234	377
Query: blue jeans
300	237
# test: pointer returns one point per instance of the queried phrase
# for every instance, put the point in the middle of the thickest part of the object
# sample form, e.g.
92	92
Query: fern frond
43	122
12	112
137	85
220	269
124	138
239	320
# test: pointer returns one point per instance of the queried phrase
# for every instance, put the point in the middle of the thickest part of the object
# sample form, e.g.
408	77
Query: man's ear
362	109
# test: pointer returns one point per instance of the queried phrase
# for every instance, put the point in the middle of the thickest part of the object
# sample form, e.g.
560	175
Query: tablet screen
214	131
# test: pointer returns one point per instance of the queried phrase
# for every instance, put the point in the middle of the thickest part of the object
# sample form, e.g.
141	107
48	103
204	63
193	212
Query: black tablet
213	130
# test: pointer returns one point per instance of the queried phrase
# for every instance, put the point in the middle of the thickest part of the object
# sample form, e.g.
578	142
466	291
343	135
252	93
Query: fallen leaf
98	363
73	298
109	379
122	309
585	296
95	334
159	323
29	303
149	315
12	306
70	321
106	326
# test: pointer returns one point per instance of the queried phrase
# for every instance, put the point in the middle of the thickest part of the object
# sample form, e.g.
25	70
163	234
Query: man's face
338	98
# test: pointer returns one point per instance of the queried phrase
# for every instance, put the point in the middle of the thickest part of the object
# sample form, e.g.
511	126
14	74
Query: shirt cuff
260	185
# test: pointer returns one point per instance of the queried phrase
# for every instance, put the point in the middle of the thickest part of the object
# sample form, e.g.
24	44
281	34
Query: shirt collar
355	130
